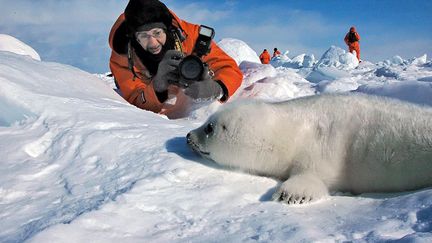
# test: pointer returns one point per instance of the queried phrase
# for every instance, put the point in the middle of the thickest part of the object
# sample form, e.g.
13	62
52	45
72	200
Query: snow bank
238	50
338	58
334	64
284	84
297	62
337	86
419	61
387	71
252	72
53	167
399	61
11	44
402	90
80	164
404	70
319	74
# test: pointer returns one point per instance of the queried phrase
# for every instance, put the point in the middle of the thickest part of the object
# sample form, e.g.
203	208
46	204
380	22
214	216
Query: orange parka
265	57
276	53
139	90
353	45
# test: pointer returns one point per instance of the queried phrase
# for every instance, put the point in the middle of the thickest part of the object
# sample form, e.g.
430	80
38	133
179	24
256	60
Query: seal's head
234	136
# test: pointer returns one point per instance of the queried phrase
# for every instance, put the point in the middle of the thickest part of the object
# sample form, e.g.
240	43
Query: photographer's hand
205	89
167	71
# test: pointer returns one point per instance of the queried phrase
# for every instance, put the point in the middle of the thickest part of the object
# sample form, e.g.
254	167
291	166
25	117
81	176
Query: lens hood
191	68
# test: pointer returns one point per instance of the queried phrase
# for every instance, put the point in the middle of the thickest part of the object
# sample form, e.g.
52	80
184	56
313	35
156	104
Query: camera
191	68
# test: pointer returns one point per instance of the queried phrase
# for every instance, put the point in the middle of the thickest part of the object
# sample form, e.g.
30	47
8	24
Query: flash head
202	45
206	31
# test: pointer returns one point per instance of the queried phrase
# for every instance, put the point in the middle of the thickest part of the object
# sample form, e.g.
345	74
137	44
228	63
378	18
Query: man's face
152	40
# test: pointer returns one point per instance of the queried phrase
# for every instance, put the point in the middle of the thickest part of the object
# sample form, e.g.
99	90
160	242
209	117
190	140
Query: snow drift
11	44
80	164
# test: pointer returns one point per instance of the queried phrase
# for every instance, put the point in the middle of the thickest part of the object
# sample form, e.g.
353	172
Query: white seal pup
353	143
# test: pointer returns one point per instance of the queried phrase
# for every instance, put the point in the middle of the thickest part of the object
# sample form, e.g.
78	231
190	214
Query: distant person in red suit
276	52
265	57
352	39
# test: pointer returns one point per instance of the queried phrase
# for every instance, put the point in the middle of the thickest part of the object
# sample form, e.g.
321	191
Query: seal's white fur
356	143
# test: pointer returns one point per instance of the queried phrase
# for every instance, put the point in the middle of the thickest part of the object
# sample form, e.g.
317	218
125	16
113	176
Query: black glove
205	89
167	71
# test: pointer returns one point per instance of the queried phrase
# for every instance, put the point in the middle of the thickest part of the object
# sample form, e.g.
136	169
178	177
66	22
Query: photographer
352	39
149	45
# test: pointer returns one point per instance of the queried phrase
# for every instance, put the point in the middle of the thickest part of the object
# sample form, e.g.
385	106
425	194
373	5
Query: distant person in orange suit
352	39
265	57
276	52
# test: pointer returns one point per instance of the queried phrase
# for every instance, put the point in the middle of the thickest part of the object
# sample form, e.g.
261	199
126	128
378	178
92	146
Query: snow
338	58
239	50
12	44
300	61
79	164
334	64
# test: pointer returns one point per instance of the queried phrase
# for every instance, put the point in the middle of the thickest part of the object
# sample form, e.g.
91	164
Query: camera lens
191	68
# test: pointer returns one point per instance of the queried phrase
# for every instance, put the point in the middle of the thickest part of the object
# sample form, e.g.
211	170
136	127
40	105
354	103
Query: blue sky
75	32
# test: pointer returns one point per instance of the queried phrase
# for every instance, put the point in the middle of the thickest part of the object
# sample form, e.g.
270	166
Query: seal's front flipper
301	188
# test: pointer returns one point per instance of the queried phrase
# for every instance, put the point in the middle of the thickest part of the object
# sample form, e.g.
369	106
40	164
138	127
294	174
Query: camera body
191	67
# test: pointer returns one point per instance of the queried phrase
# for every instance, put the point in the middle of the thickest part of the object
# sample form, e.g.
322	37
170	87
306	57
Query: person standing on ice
265	57
276	52
352	39
149	44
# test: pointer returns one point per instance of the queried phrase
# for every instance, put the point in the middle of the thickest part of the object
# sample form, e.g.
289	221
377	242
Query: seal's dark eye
208	129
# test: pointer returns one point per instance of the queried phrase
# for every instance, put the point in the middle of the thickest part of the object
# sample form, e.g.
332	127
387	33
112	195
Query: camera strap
178	39
130	60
